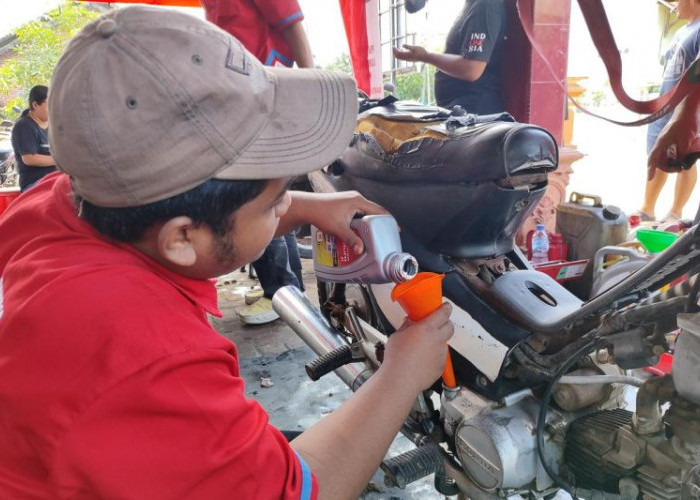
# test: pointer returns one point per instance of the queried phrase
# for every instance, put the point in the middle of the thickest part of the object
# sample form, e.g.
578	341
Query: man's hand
331	213
412	53
416	353
675	140
354	437
673	144
338	212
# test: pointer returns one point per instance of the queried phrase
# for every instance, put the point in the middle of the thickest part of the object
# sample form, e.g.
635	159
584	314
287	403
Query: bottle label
333	252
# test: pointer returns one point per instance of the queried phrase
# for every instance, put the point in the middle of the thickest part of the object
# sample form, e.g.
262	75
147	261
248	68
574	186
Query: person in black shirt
469	72
30	139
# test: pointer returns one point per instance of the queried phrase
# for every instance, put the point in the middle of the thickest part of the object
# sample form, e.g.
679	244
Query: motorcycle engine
604	452
646	453
496	444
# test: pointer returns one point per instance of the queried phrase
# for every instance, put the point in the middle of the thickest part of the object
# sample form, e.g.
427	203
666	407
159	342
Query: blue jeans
279	265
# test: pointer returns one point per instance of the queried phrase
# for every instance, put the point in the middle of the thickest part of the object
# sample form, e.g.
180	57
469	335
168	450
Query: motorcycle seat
460	184
535	300
392	146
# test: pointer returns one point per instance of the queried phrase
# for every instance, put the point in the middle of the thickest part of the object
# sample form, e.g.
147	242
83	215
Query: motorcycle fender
470	339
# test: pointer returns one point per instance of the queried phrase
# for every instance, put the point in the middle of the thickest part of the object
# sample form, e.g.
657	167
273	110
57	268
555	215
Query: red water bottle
558	250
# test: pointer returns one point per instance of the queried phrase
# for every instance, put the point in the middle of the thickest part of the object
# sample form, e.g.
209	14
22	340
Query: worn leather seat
411	143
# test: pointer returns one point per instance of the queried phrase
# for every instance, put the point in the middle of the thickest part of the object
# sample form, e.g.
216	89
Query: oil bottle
382	260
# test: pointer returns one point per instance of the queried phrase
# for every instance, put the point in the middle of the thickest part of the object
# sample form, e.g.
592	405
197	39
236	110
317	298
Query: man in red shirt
176	147
273	31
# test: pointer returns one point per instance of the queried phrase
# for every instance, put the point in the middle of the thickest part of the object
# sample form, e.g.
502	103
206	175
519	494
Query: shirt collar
201	292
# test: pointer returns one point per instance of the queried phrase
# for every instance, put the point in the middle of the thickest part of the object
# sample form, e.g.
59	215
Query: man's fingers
367	207
661	158
406	323
439	317
446	331
351	239
400	54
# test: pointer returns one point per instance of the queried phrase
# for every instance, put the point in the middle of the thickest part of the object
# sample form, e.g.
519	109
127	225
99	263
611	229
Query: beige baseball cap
147	103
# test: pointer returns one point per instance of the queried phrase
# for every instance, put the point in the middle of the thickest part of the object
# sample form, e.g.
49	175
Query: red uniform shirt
113	384
258	25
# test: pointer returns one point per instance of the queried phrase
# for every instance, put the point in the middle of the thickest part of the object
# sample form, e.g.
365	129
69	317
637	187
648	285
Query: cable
600	379
546	397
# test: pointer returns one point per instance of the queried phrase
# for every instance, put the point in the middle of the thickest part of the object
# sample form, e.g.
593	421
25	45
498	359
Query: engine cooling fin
588	440
657	485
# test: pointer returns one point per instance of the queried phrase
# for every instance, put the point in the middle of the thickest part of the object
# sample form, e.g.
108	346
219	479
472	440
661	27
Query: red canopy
355	19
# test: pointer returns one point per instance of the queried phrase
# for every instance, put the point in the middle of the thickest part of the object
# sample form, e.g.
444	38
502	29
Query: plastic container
655	241
540	246
382	260
558	250
587	225
609	272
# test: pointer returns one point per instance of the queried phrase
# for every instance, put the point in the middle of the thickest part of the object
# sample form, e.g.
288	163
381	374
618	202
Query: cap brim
312	122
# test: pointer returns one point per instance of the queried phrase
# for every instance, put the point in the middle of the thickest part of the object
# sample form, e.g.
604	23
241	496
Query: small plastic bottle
634	222
540	246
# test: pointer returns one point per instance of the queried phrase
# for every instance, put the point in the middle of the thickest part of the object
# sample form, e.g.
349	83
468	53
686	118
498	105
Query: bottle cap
540	227
611	212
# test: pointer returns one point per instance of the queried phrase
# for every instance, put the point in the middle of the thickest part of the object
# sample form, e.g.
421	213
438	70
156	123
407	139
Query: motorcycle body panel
471	340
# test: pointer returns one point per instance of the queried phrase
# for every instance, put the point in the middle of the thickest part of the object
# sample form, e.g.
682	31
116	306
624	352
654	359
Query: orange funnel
420	297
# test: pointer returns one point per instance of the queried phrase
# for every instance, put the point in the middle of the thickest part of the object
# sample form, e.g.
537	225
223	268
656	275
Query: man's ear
175	241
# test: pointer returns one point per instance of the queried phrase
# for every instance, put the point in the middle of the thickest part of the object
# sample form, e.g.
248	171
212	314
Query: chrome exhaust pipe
296	310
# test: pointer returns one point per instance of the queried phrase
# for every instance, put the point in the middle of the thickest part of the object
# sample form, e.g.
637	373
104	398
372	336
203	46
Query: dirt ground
294	402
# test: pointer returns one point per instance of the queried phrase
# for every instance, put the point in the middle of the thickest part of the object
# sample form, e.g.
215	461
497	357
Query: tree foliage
416	86
341	63
39	45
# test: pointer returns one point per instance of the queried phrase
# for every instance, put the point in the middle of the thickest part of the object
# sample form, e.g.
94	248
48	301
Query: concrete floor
294	402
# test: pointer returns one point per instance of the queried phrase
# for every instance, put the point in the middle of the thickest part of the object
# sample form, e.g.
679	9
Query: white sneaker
258	313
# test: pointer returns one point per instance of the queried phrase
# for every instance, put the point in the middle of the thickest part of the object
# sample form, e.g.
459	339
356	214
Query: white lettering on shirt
476	42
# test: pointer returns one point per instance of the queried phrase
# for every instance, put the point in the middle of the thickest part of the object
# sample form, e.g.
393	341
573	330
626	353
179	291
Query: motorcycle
543	376
8	169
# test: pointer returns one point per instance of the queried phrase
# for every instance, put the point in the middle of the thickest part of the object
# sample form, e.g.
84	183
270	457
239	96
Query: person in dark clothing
30	139
469	71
